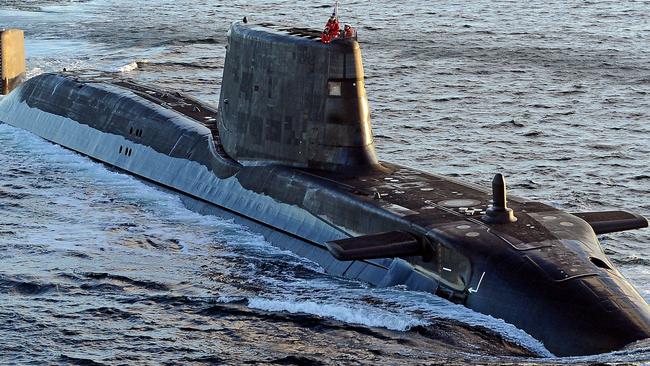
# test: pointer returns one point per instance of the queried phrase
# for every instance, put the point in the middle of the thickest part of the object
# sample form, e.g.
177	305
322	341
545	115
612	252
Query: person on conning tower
350	32
332	29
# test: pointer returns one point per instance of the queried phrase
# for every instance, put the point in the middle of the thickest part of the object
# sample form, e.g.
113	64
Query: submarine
289	149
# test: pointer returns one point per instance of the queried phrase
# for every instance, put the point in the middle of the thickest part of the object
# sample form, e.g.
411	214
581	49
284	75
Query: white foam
361	315
228	299
34	72
161	214
391	308
128	67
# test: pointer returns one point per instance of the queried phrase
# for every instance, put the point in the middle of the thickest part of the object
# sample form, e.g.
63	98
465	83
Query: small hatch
599	263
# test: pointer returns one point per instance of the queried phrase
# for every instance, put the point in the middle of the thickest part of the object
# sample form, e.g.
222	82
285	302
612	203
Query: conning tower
294	100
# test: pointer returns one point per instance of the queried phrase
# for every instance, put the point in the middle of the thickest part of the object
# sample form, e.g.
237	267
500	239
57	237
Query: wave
145	284
327	318
28	287
80	361
397	310
208	40
347	314
128	67
149	65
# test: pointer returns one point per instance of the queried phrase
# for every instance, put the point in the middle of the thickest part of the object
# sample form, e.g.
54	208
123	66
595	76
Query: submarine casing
536	273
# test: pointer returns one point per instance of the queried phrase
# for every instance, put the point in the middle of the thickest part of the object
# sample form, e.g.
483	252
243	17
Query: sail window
334	88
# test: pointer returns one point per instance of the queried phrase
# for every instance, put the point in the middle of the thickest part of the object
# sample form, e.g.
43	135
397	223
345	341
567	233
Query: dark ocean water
97	267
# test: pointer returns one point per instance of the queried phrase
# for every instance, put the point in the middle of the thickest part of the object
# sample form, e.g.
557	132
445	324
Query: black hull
517	273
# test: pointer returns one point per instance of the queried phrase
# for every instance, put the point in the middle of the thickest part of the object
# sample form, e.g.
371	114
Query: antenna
499	213
336	9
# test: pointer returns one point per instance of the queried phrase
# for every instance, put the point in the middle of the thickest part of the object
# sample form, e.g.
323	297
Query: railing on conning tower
295	31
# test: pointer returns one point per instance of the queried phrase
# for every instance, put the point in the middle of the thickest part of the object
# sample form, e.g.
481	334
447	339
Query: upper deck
425	199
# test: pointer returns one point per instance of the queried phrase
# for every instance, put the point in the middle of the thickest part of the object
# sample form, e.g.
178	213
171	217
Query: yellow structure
12	58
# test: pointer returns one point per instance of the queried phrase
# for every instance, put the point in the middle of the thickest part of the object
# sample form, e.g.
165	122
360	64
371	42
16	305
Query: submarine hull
136	135
319	190
134	128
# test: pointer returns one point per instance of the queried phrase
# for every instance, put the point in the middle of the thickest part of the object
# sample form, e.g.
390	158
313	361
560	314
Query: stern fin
604	222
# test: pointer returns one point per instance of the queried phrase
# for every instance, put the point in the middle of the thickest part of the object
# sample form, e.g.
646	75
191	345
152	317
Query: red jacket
331	32
350	33
325	36
335	28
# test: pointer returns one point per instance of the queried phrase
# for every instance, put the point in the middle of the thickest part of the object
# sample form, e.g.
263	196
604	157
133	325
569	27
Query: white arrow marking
477	286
